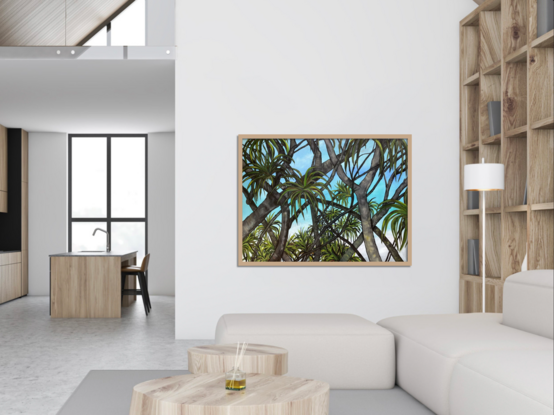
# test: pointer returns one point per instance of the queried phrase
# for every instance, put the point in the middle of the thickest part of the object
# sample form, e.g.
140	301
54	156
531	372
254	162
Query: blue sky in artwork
303	161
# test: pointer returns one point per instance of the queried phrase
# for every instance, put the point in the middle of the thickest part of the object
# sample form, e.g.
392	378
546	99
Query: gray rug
108	392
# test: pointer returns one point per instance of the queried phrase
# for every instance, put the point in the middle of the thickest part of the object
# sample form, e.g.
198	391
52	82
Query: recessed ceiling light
58	52
168	52
73	52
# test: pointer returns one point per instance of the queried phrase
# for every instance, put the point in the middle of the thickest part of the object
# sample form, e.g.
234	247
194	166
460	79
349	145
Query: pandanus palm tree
334	251
249	247
303	243
397	220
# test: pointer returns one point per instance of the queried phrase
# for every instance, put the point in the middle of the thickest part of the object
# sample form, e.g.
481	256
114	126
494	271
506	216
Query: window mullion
109	187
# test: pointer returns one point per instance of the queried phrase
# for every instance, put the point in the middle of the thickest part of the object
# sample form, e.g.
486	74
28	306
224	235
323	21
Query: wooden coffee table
220	358
205	394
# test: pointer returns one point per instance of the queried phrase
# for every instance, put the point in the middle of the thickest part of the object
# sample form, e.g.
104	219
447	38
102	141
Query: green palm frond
397	220
308	187
334	251
248	247
342	194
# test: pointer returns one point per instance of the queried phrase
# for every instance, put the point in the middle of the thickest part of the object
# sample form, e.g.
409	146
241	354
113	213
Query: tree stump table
205	394
220	358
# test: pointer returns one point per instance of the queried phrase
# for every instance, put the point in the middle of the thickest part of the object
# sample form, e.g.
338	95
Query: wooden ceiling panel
32	23
55	22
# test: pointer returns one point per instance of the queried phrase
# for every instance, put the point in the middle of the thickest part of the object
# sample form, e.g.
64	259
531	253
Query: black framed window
108	189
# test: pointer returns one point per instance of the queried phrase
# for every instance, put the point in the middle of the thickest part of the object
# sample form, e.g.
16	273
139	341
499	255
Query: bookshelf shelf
477	279
472	146
518	208
544	124
495	139
543	206
472	80
545	41
494	69
520	132
518	56
501	59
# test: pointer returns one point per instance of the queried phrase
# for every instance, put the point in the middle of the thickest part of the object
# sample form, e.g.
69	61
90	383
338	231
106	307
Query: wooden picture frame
304	190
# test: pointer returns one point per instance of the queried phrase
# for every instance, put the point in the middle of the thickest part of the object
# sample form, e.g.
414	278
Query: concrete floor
43	360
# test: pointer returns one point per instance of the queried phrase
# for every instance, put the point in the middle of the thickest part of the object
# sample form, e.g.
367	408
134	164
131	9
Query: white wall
161	213
47	205
313	66
160	22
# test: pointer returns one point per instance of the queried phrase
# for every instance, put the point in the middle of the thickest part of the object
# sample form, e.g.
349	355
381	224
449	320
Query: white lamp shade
484	177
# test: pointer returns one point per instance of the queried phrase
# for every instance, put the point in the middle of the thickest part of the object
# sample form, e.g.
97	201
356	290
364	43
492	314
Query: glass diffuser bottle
235	380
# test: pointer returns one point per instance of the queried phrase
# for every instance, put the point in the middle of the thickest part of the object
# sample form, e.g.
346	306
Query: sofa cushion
428	347
529	302
503	383
347	351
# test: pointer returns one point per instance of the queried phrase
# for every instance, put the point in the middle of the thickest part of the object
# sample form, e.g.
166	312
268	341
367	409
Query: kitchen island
88	284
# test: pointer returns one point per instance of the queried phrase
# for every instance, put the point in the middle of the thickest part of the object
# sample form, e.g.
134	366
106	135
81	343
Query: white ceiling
88	96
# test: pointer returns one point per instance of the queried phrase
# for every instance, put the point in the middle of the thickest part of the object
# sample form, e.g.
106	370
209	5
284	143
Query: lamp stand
484	238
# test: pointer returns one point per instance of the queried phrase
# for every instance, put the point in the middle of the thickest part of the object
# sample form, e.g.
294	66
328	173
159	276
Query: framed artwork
324	200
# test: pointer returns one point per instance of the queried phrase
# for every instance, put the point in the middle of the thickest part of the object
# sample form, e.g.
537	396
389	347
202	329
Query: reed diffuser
235	379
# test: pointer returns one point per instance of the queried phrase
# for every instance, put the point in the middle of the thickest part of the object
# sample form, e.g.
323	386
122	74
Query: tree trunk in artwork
258	216
367	229
283	236
272	201
317	253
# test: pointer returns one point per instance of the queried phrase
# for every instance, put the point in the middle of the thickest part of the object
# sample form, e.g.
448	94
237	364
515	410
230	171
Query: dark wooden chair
140	272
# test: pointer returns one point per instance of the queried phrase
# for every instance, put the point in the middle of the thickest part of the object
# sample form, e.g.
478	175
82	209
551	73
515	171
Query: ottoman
344	350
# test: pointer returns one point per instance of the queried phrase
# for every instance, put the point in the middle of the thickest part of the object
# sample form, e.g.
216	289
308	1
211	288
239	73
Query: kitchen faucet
107	238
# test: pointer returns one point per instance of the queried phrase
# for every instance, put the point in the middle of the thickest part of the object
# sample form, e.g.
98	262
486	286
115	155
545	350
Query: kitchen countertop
8	252
100	254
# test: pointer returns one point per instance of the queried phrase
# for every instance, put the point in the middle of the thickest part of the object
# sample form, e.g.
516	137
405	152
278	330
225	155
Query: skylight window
127	29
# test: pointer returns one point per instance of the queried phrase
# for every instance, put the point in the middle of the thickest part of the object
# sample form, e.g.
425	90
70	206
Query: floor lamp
484	177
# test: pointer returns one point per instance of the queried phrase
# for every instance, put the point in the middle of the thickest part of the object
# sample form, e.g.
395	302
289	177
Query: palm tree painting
324	200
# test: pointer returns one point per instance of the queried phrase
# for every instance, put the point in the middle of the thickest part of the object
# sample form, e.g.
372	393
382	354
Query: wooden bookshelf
501	59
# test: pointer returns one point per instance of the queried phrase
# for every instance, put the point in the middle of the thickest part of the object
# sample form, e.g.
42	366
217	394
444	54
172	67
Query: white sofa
347	351
458	364
473	364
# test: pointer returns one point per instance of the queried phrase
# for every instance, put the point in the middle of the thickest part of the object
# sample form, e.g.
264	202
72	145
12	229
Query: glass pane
82	239
89	176
129	28
129	236
128	177
99	39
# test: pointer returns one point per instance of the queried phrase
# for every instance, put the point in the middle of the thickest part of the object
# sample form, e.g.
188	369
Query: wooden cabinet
10	258
14	222
3	202
24	238
10	280
24	212
3	169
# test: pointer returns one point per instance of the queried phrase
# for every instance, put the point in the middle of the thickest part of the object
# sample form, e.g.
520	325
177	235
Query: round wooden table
205	394
220	358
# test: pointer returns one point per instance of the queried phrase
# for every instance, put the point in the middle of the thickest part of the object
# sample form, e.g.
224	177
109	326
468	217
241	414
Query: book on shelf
473	256
545	16
525	194
472	199
494	117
